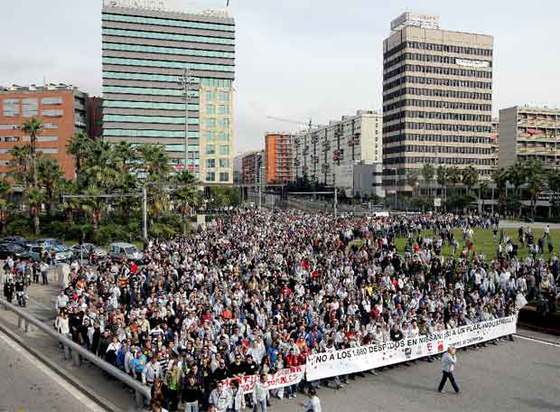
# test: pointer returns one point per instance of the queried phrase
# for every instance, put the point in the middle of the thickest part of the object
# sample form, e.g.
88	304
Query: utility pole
144	213
185	81
335	195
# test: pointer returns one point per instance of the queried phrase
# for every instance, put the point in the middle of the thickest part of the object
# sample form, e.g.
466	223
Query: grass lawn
485	245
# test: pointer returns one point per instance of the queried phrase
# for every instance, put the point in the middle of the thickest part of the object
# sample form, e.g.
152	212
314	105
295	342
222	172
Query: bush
111	233
19	225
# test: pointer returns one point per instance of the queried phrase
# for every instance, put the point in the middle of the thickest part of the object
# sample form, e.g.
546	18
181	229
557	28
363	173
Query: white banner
363	358
282	378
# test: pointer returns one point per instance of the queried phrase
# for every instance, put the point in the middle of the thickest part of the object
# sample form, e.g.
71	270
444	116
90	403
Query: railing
72	349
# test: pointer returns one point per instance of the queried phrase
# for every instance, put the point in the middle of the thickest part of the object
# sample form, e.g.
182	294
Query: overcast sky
296	59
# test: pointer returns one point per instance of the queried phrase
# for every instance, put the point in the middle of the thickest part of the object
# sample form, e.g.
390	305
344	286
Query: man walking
448	362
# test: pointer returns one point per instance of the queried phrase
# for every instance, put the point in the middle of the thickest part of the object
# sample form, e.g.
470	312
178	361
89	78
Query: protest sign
280	379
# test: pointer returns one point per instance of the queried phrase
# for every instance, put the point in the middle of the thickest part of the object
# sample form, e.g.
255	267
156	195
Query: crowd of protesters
257	291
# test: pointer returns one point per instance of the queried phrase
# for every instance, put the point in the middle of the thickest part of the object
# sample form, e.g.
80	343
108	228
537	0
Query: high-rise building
351	140
437	98
529	133
146	53
279	158
60	107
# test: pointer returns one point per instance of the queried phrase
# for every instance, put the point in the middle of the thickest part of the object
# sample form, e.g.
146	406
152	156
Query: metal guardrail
72	349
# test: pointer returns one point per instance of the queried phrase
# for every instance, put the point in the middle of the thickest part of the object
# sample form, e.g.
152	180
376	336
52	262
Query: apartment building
153	61
279	158
351	140
61	108
527	133
437	98
251	167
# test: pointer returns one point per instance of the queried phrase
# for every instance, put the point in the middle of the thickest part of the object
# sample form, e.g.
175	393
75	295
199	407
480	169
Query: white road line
538	341
87	402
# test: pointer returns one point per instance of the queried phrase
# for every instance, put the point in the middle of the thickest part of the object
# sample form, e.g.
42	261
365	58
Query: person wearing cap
448	362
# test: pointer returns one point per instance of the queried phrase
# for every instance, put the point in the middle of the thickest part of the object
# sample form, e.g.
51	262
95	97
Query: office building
237	168
351	140
146	55
251	167
529	133
61	108
437	99
361	180
279	158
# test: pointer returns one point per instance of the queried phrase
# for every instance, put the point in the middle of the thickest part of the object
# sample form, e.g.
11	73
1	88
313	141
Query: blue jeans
260	406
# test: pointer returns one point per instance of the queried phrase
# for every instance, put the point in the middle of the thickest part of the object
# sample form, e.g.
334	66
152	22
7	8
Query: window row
434	59
438	104
476	51
126	104
147	133
146	76
167	64
222	96
148	119
211	176
418	114
221	136
168	50
211	163
223	150
437	126
217	109
472	84
447	71
168	22
454	94
440	149
437	138
146	91
440	160
167	36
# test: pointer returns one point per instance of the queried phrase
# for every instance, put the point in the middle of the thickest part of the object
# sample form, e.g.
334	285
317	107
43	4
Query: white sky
296	59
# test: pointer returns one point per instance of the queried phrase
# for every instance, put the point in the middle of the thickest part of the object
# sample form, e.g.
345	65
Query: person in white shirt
313	404
448	362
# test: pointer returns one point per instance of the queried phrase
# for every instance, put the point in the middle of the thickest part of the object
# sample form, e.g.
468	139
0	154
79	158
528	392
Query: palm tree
20	164
441	177
33	128
535	179
428	173
80	146
500	178
470	177
5	189
155	162
187	196
516	176
69	204
50	175
454	175
553	182
34	198
94	205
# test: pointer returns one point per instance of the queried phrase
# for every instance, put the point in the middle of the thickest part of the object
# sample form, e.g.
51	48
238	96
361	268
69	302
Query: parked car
85	249
125	250
61	253
11	249
14	239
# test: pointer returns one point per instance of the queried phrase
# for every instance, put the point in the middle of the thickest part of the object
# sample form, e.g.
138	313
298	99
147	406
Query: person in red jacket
292	360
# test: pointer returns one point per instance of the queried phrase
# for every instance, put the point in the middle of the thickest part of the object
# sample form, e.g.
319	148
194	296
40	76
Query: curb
103	402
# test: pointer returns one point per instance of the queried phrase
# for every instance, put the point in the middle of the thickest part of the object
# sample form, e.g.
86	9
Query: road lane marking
544	342
83	399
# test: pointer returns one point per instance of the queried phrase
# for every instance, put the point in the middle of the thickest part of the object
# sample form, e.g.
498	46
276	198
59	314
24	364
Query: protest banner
363	358
280	379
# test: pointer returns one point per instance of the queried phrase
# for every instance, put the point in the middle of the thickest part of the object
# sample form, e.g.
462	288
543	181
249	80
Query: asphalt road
519	376
27	385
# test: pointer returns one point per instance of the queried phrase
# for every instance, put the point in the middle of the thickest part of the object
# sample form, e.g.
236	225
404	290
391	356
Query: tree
454	175
94	205
428	173
5	189
20	165
441	177
50	175
80	146
553	183
516	176
470	177
500	178
33	128
533	171
187	196
34	198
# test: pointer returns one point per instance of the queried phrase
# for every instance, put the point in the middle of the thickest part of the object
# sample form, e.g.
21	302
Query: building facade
529	133
251	167
351	140
146	55
437	98
61	108
361	180
279	158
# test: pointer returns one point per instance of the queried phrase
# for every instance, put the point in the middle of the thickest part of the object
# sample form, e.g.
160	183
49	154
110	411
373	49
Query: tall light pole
185	81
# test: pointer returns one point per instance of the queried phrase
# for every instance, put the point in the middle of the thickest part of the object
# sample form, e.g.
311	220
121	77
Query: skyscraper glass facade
145	53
